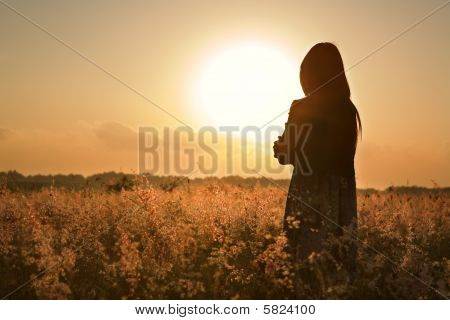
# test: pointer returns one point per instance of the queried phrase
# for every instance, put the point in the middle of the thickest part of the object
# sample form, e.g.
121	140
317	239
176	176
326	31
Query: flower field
213	240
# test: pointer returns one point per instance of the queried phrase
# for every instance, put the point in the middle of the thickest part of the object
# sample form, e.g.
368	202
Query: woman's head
322	71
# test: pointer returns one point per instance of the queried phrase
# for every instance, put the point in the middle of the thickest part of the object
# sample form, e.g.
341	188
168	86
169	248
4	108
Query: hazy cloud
116	136
89	148
380	165
5	134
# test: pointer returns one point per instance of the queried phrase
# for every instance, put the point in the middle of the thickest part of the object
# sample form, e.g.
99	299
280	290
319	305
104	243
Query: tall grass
212	240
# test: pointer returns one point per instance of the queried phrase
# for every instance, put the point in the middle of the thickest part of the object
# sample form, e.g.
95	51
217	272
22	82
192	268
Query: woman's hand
280	151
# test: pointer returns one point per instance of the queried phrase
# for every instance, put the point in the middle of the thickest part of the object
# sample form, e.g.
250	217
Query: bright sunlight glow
247	85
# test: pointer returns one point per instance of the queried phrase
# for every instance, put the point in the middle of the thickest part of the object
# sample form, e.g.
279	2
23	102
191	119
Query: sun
246	85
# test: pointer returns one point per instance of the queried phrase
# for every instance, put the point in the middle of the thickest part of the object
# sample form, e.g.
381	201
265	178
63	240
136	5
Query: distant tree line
117	181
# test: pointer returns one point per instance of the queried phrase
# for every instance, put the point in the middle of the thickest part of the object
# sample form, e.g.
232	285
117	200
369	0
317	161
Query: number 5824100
289	309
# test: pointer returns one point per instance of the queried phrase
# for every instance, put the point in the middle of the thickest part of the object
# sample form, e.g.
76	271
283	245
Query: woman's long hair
322	72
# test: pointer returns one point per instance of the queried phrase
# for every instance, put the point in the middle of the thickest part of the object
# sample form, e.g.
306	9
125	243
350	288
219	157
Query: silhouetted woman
320	140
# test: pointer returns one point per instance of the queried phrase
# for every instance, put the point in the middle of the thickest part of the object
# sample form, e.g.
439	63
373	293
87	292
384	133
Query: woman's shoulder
300	107
297	104
305	102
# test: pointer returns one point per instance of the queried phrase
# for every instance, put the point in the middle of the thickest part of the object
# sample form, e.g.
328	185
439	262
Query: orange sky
59	114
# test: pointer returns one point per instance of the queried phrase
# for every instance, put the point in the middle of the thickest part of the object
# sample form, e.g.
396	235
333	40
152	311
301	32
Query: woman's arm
284	147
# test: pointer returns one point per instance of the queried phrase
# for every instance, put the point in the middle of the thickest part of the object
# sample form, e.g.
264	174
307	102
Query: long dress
321	200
